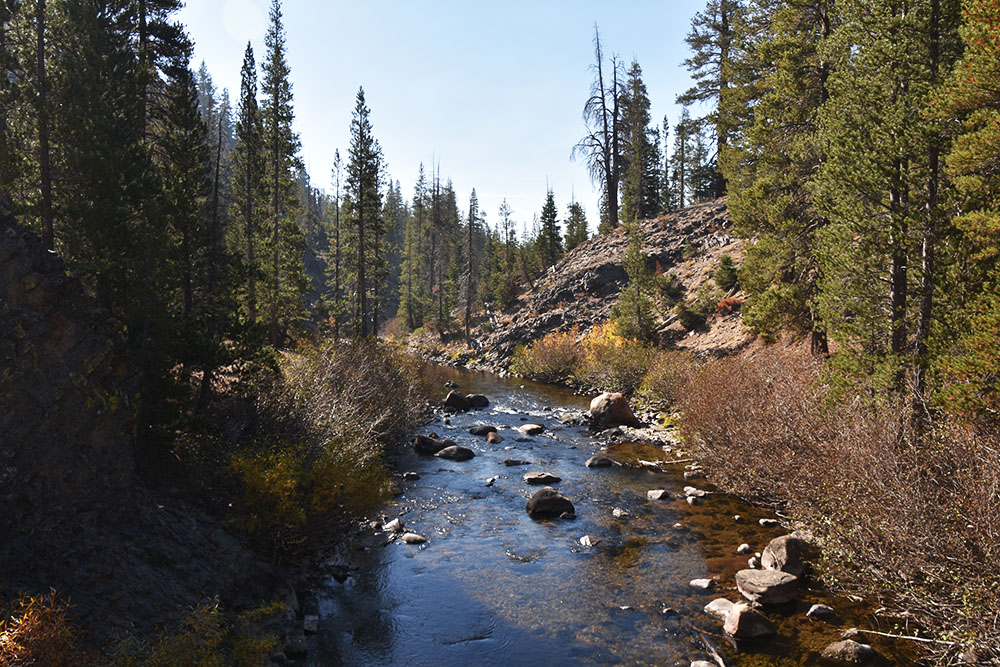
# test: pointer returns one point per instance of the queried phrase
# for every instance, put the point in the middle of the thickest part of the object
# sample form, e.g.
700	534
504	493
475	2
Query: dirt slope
581	289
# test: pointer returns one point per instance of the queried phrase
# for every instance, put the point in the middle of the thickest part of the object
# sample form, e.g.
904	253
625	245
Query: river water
493	587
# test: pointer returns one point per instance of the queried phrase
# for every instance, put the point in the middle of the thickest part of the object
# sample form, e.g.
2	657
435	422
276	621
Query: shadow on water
491	586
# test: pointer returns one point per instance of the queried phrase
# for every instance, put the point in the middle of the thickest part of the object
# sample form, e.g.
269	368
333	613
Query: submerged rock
493	438
456	453
848	650
612	409
548	503
531	429
599	462
821	611
767	586
516	462
541	478
482	430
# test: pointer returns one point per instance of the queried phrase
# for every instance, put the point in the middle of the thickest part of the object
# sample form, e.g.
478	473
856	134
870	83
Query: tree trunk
45	168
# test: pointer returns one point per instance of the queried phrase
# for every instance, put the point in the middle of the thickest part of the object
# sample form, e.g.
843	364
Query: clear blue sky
493	91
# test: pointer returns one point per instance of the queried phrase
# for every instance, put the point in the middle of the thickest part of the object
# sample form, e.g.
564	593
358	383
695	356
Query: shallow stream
493	587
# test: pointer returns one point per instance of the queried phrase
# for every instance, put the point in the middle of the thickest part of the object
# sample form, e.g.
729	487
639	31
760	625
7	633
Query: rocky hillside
581	289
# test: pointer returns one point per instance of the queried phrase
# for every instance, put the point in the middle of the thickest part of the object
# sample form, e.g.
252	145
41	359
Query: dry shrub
36	631
911	519
318	452
668	374
552	358
728	305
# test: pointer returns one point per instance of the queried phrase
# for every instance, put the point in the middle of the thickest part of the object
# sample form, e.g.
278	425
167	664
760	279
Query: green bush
693	315
726	275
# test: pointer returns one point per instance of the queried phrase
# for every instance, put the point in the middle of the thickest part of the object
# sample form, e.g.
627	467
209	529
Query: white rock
743	549
693	500
413	538
703	584
589	541
393	526
768	523
619	513
719	608
657	494
692	491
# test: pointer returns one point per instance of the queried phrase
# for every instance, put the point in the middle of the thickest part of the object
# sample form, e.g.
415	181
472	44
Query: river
493	587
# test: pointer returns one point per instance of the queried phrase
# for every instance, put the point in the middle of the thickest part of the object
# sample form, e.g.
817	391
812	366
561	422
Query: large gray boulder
743	622
611	409
477	400
767	586
787	553
549	503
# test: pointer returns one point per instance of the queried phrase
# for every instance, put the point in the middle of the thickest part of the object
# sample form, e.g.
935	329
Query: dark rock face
457	402
548	503
541	478
67	396
456	453
477	401
75	516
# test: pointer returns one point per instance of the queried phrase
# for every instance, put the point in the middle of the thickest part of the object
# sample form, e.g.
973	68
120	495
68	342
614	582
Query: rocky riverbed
644	564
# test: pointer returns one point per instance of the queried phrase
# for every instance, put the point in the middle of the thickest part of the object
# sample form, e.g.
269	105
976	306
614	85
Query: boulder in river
703	584
743	622
456	401
611	409
821	611
482	429
548	503
531	429
657	494
413	538
493	438
510	463
599	462
694	492
541	478
767	586
456	453
786	554
848	650
427	446
477	400
719	608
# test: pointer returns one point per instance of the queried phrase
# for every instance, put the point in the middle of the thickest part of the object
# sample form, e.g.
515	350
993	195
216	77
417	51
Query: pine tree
640	152
783	74
710	41
602	146
576	226
281	147
684	159
633	313
507	249
472	231
413	297
248	183
550	246
363	213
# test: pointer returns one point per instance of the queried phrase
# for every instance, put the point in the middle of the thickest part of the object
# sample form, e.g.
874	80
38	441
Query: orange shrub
36	632
611	362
